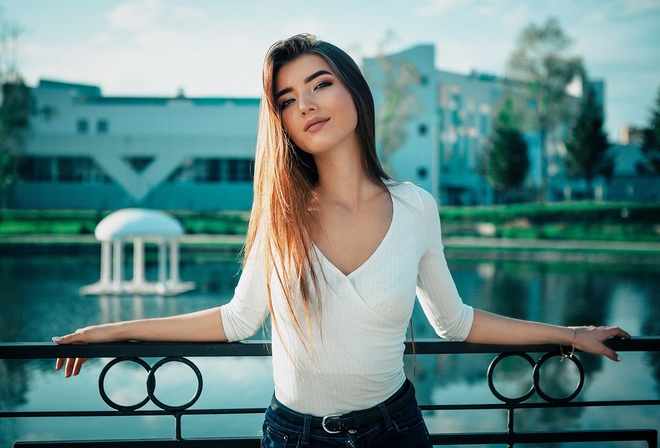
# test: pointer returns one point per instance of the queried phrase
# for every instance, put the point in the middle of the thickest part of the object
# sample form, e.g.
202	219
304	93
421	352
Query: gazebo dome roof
137	222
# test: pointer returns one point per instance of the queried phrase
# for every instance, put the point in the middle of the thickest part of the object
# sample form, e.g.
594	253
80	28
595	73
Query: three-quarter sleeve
436	290
247	310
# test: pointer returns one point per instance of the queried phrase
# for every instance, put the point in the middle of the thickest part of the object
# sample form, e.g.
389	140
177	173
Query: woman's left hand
590	339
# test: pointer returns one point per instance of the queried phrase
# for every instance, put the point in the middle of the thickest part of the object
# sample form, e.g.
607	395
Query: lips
314	124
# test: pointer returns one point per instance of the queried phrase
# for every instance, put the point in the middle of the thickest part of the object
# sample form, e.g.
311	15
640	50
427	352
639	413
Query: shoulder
413	195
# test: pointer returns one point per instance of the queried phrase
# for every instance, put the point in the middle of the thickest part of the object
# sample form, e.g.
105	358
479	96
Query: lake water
39	299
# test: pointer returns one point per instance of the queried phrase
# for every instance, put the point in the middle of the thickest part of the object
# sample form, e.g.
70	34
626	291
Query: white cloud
103	38
456	56
186	12
437	7
489	7
596	17
161	40
310	25
517	16
135	15
638	7
154	47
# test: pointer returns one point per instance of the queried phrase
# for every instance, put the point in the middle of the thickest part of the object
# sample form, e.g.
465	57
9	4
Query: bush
573	220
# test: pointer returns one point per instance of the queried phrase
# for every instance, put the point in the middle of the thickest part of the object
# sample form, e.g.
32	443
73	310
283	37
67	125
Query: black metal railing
182	352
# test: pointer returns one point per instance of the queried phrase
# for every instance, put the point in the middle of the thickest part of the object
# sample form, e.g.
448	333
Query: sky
215	48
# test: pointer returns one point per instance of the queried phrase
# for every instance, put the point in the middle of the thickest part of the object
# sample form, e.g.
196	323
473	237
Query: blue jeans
405	428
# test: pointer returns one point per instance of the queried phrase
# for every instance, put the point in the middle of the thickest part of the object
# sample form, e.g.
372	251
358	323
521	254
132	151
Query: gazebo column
117	265
174	261
162	262
138	261
106	267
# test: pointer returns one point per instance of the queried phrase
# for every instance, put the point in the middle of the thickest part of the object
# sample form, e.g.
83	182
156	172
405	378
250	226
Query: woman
336	253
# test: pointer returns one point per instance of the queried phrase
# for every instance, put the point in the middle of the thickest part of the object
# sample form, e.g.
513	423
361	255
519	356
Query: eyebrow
306	80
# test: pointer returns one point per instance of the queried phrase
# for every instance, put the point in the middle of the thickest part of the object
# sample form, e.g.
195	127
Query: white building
88	151
451	123
628	184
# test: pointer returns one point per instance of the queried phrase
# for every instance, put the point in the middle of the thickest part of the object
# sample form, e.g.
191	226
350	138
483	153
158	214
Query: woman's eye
285	103
322	84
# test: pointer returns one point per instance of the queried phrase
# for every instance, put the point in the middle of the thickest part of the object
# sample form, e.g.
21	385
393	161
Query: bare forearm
488	328
200	326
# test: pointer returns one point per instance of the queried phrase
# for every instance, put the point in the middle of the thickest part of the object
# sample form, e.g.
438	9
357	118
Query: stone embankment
455	247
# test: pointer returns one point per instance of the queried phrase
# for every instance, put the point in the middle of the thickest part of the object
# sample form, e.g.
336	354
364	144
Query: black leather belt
352	421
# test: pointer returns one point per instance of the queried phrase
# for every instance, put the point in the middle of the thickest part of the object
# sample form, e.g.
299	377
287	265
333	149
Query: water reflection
39	299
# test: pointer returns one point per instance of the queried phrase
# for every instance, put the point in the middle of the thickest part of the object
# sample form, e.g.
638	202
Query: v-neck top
322	258
353	358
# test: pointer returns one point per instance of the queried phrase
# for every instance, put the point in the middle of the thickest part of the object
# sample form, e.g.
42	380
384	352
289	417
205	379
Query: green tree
541	61
588	147
14	115
651	143
399	104
15	107
505	161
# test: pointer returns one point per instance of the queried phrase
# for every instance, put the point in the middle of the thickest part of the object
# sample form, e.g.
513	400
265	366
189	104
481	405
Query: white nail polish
57	339
619	358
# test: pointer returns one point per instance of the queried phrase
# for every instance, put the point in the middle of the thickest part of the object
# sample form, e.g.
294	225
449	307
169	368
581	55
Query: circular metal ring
107	399
491	385
151	383
537	378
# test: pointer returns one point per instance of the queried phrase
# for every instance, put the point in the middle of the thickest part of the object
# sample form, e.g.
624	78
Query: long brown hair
285	177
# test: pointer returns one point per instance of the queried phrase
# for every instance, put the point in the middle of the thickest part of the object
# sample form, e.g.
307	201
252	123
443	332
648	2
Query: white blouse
354	357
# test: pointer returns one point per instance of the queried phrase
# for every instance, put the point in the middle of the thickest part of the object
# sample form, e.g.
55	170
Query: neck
342	179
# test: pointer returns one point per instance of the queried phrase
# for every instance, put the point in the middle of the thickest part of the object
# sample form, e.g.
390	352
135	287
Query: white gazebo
138	226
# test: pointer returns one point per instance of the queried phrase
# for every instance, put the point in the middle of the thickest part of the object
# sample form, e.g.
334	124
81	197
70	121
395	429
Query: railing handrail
48	350
180	352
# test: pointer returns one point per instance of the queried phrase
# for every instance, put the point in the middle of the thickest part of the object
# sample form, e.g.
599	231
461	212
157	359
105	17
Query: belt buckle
323	422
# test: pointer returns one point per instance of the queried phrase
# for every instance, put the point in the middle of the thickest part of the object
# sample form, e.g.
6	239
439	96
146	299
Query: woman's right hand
93	334
199	326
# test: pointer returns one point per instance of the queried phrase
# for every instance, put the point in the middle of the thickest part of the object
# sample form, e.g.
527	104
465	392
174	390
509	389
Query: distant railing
181	352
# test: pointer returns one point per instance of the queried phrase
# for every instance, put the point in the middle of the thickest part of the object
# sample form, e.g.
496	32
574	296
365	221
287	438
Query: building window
102	126
138	163
442	100
484	124
422	129
82	126
456	118
240	170
455	196
61	169
48	112
36	169
214	170
178	175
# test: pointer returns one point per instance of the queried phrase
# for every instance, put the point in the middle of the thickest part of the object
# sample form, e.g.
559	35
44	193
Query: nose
306	103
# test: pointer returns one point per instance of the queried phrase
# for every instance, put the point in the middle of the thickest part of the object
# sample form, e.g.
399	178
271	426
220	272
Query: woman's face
317	110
